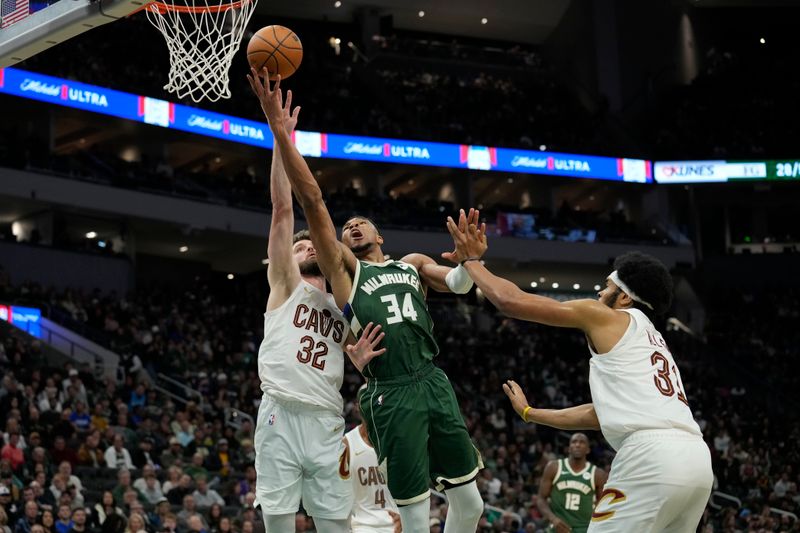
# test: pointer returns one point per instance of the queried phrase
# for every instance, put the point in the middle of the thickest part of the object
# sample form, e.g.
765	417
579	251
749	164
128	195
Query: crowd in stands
497	95
79	449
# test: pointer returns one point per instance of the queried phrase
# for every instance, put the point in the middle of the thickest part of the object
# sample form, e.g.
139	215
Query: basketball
277	48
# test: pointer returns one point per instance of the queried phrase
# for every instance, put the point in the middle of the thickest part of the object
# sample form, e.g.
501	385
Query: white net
202	37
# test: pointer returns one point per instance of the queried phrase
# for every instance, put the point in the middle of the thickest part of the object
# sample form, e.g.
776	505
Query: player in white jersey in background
661	477
374	509
298	438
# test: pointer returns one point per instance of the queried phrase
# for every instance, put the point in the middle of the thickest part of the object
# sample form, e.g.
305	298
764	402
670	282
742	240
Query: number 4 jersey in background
372	500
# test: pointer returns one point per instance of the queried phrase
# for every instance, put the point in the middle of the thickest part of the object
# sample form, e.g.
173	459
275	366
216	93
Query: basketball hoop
202	37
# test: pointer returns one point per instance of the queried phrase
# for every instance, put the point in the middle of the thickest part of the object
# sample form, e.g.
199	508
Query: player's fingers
287	106
367	329
377	340
462	221
451	227
265	75
296	112
507	390
349	348
277	83
483	230
380	352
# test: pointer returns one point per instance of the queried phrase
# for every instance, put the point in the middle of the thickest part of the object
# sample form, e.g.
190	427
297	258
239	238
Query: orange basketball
277	48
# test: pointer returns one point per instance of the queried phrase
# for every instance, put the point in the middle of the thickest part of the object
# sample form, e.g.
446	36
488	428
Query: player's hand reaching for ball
469	236
518	400
365	350
271	99
560	526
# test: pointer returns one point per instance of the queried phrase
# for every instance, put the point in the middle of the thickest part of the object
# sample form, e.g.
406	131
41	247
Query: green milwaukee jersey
572	497
391	294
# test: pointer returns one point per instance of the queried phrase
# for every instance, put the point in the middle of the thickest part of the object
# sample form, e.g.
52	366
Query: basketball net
202	37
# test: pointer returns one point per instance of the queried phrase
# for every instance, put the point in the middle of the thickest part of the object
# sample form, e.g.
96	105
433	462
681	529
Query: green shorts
416	427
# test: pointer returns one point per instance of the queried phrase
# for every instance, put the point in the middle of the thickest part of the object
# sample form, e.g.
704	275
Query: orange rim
162	8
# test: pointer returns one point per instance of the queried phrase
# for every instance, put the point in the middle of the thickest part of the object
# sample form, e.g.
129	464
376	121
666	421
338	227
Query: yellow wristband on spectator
525	413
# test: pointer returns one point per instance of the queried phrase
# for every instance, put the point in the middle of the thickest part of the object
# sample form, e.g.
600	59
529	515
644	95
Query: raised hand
290	115
518	400
365	350
468	237
271	98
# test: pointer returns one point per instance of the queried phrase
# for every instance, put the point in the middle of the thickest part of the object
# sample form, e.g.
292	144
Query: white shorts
660	480
298	448
372	529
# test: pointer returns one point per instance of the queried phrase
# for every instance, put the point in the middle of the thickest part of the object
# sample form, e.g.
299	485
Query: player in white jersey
374	509
661	476
298	436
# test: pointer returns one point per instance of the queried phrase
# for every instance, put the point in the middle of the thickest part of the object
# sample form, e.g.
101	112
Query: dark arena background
133	238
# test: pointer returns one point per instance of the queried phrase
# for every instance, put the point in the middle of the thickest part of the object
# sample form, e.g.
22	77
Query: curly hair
302	235
648	278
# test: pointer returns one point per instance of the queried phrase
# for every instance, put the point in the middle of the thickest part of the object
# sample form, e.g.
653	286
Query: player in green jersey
410	408
570	487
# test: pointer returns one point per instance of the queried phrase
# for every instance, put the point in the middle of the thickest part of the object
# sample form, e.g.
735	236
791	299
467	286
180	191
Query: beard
613	299
361	249
310	268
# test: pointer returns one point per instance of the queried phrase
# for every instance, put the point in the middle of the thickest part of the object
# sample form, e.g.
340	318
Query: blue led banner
329	145
25	318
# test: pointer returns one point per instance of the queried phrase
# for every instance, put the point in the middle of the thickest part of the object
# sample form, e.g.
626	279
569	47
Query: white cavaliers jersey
372	500
301	357
637	386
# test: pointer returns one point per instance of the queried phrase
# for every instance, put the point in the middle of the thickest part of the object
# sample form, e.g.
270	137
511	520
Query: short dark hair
374	225
302	235
648	278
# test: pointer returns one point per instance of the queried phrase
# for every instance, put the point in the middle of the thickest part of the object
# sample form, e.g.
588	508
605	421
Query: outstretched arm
444	278
571	418
335	260
470	243
283	273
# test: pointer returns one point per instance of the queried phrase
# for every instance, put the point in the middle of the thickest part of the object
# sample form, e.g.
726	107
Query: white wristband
458	280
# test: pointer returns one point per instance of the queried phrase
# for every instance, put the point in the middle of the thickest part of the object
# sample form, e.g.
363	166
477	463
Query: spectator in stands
117	456
246	484
189	509
170	524
135	524
37	528
6	504
144	456
37	461
4	519
177	494
60	451
80	418
106	507
196	468
124	485
225	526
152	491
12	452
64	522
28	519
195	524
99	419
160	513
214	515
205	497
219	460
65	470
174	474
78	521
173	454
89	453
48	521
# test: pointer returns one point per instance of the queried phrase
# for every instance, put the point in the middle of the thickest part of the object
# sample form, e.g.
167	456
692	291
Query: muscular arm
603	325
600	478
283	273
431	273
335	260
571	418
545	488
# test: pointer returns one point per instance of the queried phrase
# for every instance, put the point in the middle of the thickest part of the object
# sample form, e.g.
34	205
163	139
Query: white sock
279	523
326	525
464	509
416	518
